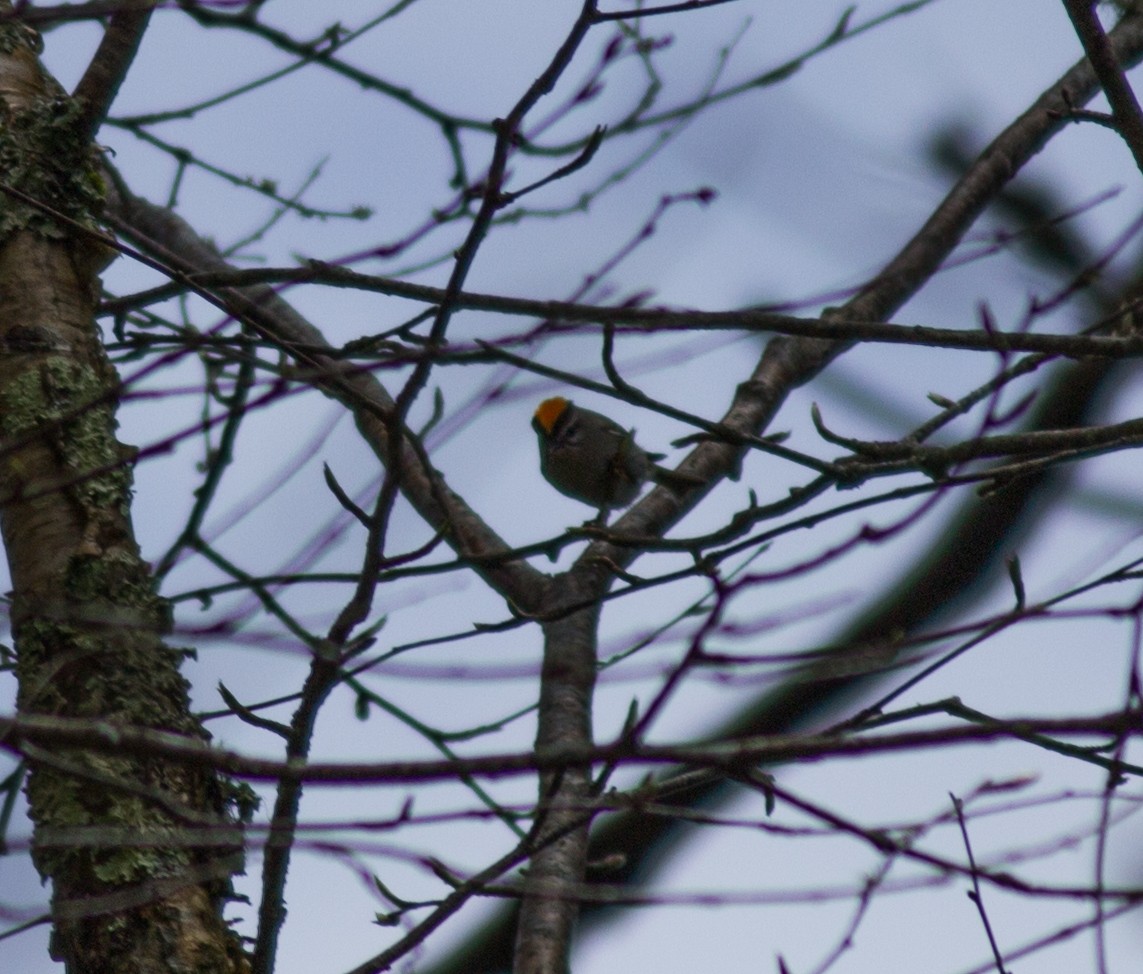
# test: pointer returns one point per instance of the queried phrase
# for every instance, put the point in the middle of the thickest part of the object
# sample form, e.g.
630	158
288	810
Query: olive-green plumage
593	459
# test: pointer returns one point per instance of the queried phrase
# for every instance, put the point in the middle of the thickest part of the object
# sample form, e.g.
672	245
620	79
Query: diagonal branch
1128	117
790	362
159	231
100	82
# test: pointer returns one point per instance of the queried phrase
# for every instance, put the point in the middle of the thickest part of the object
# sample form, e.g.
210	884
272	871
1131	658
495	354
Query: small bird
593	459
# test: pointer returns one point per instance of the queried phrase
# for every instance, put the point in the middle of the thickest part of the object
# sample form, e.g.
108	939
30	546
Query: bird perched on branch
593	459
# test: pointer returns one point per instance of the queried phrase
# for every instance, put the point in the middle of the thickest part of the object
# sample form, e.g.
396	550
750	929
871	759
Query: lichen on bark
139	849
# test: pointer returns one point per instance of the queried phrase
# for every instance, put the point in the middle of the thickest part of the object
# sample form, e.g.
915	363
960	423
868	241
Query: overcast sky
820	179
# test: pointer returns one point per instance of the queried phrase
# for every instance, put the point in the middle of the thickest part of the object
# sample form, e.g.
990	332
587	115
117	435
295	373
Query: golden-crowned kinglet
593	459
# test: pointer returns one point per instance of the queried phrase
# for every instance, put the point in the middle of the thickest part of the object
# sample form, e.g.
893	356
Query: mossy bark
139	850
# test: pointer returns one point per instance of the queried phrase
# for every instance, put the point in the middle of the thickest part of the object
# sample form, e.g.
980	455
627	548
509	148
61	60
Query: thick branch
164	234
100	82
549	909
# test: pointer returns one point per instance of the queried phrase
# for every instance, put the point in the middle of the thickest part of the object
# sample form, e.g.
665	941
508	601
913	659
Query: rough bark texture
555	875
139	851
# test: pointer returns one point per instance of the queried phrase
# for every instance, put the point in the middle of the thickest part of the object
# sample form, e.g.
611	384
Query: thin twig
975	894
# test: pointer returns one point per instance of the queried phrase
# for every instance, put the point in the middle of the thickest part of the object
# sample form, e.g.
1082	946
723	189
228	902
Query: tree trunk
139	850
